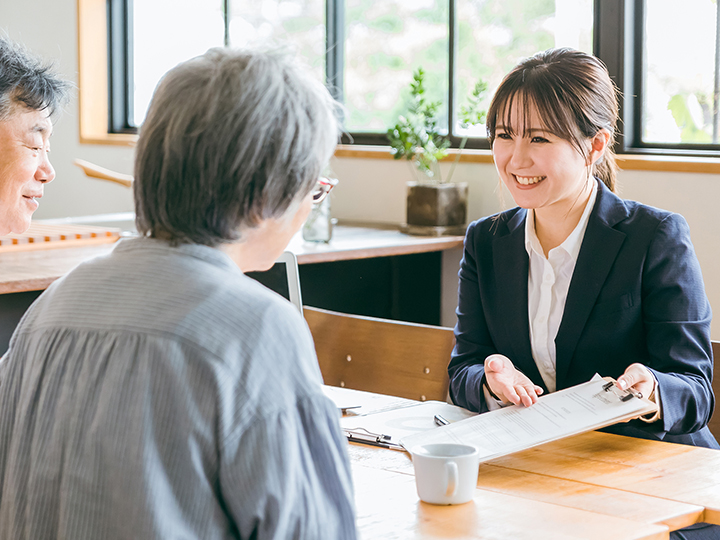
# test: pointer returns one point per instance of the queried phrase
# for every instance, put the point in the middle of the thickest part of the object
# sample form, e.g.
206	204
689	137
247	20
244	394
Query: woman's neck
553	225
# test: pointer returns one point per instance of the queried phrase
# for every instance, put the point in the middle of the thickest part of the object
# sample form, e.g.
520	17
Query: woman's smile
529	180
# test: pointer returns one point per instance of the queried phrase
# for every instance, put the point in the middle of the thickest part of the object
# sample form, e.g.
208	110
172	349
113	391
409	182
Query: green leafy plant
471	115
415	137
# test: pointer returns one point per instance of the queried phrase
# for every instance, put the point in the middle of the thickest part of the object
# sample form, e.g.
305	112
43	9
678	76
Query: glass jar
319	224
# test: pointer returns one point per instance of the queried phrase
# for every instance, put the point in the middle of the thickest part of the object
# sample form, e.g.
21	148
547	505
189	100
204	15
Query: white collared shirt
548	284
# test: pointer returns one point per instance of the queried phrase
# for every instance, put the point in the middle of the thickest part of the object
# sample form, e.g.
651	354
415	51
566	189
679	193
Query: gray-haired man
29	94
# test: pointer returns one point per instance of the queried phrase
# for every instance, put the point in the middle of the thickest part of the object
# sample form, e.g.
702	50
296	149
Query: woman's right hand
507	383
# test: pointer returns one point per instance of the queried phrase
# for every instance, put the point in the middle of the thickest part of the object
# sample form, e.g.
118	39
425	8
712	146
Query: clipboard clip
363	436
624	395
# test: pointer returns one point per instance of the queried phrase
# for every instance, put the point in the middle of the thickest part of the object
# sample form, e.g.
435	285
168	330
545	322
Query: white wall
370	190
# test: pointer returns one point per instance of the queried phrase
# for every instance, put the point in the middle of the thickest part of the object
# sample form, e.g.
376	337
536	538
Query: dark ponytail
606	168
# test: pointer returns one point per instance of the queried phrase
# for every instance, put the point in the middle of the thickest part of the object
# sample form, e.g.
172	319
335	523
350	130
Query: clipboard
592	405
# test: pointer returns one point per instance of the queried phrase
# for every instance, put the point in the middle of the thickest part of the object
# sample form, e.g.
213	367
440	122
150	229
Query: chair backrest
378	355
714	423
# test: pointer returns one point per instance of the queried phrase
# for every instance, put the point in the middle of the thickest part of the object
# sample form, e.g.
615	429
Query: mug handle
451	471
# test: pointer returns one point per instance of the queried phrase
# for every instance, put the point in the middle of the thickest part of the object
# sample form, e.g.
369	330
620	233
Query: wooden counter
35	270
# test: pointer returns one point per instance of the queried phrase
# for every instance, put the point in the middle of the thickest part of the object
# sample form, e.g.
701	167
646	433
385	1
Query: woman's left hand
639	378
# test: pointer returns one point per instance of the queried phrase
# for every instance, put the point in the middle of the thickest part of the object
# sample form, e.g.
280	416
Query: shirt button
542	320
549	278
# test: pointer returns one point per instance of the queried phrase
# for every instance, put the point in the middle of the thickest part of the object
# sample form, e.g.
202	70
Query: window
367	50
679	82
189	28
374	47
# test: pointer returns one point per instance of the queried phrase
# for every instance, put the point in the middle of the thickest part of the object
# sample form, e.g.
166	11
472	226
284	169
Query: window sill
383	152
626	162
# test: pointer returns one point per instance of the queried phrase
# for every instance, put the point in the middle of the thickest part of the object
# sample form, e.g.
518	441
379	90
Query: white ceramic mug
445	473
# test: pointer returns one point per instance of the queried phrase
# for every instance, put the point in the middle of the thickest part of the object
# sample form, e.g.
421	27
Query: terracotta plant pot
436	208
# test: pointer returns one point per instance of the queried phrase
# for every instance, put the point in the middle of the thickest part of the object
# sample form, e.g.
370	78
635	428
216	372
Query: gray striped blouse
157	392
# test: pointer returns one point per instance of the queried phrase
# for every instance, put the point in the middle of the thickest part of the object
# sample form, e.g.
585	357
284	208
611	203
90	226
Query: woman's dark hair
574	98
231	138
27	82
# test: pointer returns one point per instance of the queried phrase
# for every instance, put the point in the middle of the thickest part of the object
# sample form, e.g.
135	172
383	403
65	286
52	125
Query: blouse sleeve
287	476
284	468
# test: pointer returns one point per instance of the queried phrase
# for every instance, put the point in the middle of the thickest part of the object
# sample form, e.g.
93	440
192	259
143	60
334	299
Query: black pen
369	443
440	421
373	441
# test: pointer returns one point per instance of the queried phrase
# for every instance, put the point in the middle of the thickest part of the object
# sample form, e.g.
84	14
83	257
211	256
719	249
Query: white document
582	408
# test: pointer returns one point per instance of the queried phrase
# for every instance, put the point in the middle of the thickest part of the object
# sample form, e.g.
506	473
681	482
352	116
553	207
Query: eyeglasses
322	188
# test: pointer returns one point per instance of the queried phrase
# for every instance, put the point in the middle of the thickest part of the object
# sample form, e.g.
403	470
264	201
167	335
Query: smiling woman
575	280
29	94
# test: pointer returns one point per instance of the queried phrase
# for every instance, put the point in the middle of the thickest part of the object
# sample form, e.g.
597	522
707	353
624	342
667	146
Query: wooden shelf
36	270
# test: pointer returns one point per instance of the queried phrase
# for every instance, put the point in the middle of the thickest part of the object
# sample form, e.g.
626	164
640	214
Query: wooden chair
714	423
377	355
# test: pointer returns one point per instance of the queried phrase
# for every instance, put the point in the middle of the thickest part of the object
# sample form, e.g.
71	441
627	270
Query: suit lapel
510	265
598	252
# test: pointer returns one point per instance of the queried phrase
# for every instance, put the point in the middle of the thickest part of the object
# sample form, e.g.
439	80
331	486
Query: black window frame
618	29
120	67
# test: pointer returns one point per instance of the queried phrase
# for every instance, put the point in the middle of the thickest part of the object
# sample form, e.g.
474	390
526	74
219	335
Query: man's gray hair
231	138
26	81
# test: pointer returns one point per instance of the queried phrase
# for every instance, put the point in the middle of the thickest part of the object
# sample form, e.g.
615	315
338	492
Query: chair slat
714	423
378	355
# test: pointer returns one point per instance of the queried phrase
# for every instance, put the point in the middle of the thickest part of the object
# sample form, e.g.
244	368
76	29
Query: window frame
120	66
120	70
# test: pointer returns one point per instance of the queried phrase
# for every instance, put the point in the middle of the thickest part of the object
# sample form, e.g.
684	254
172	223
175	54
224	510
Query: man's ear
598	144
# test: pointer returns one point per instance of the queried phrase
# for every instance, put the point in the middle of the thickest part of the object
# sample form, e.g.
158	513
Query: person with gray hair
158	392
29	94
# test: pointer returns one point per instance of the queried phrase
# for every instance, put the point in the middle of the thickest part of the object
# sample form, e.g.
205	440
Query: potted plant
434	206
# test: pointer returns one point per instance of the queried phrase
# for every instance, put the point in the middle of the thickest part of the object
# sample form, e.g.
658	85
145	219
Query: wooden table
594	485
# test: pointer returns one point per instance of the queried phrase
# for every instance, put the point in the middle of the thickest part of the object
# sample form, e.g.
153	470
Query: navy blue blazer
636	295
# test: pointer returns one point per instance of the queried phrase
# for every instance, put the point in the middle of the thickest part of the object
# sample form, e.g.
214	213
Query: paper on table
398	423
582	408
357	402
342	400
